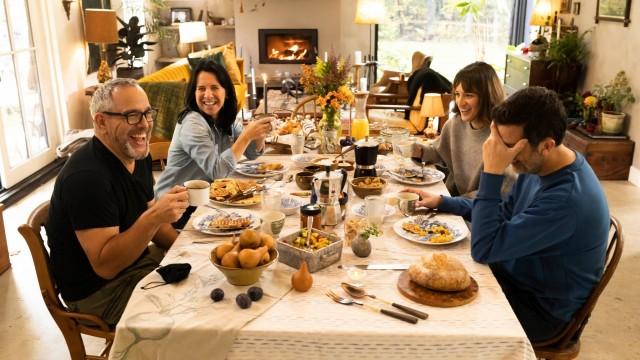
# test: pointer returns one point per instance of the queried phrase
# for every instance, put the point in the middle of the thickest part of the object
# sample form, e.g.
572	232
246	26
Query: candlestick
325	56
558	29
363	84
264	90
357	58
253	82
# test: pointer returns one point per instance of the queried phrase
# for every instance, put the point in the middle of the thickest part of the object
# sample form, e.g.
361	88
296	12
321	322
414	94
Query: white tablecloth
181	321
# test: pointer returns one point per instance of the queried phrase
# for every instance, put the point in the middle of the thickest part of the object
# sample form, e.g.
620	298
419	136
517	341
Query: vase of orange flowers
328	81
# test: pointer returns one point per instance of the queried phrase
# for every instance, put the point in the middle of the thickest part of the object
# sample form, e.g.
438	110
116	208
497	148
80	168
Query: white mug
407	203
198	191
273	222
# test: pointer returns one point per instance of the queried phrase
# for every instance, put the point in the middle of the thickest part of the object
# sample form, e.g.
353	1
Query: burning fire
294	52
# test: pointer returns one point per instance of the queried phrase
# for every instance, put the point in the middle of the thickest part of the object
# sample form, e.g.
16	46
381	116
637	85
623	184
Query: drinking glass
271	200
374	206
297	145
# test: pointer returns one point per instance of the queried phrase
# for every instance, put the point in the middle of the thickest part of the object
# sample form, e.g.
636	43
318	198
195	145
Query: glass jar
310	211
360	123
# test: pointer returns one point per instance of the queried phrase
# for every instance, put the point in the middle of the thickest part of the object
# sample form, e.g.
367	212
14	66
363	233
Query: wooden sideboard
609	158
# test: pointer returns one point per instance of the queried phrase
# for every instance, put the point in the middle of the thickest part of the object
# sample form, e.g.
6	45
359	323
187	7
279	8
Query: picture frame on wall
614	10
565	7
181	15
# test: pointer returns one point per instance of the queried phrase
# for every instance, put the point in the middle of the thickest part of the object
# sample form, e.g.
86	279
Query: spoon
359	292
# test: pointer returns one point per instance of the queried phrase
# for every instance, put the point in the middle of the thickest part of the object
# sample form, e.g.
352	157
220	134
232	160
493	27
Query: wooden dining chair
307	106
566	345
71	324
159	151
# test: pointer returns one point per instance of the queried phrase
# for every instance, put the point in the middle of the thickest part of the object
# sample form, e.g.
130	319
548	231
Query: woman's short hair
227	115
481	79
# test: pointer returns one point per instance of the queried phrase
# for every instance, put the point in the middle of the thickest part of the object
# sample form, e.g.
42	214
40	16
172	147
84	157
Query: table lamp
192	32
370	12
541	17
431	109
101	27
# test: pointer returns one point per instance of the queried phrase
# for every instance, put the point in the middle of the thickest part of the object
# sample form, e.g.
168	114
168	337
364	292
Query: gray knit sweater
459	148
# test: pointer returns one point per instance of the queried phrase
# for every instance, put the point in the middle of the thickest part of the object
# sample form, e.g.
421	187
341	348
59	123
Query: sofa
166	88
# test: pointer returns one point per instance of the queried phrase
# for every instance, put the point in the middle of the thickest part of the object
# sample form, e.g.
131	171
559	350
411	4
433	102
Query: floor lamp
101	27
370	12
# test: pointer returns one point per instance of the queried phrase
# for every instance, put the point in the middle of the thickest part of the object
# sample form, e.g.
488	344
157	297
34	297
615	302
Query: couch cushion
230	63
168	97
218	58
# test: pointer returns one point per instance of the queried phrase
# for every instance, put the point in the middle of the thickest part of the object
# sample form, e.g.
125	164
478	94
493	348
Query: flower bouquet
328	81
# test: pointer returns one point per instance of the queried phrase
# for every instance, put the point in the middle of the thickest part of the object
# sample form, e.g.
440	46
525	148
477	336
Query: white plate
459	232
302	160
361	211
432	176
236	204
201	222
249	169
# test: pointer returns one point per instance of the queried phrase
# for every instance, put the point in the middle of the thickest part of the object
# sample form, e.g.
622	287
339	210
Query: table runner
293	325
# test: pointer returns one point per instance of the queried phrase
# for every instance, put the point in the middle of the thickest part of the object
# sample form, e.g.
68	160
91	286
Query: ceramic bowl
290	205
363	191
242	277
304	179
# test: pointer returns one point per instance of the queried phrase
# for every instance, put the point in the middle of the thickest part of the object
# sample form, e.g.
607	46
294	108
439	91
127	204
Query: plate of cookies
235	192
226	222
261	169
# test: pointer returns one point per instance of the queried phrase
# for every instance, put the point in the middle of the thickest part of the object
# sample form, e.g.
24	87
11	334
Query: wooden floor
28	332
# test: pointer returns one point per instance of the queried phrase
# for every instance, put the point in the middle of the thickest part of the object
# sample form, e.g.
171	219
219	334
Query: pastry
440	272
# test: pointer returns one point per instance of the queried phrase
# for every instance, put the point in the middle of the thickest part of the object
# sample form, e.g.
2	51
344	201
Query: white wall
614	48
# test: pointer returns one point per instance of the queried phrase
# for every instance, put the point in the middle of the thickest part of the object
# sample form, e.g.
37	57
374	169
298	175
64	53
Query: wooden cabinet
609	158
522	71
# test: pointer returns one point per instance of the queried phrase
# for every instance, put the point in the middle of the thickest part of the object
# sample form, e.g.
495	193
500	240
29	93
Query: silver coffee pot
327	186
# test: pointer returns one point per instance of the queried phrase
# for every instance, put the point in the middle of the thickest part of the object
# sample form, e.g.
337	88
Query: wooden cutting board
436	298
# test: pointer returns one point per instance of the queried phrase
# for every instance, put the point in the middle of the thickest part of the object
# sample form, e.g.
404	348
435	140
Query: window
436	28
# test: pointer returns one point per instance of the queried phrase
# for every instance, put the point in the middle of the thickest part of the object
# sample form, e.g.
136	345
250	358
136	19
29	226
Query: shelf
210	26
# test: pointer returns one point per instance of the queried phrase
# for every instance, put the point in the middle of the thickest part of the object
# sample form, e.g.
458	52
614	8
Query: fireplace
288	46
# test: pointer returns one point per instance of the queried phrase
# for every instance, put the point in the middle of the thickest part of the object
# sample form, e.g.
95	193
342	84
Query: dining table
181	321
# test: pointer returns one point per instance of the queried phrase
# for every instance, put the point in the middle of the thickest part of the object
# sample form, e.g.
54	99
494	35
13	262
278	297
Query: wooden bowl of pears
243	260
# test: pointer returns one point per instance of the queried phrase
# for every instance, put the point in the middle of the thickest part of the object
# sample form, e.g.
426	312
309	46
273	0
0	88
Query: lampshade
541	13
100	26
191	32
432	105
369	12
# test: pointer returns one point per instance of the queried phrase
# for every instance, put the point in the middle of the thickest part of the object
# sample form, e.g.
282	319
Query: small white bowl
302	160
290	205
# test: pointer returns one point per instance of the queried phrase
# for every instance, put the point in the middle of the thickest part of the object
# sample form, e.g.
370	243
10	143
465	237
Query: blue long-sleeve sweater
549	237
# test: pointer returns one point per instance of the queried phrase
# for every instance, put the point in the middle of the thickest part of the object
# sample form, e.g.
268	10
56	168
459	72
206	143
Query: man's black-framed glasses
134	117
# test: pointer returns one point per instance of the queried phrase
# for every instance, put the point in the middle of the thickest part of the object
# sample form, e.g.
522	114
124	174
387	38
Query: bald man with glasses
103	214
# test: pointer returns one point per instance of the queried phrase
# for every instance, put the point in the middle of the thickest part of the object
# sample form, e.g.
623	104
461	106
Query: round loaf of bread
440	272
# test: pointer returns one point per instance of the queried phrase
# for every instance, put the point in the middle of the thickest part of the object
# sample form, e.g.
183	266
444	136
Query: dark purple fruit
255	293
244	301
217	294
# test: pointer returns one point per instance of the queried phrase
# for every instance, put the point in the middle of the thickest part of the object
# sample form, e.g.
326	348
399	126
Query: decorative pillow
229	53
168	97
218	58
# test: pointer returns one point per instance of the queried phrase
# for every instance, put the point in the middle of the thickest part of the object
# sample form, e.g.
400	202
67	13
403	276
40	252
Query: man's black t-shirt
93	190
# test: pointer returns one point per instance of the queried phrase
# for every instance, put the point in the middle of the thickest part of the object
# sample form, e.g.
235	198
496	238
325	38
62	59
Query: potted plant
566	57
131	48
613	97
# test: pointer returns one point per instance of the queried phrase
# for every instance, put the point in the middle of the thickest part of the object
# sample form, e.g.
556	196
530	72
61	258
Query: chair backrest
68	322
159	151
307	106
573	330
420	60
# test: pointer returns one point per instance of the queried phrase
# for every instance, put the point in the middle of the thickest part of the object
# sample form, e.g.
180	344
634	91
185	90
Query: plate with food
360	210
225	222
234	192
261	169
416	177
433	231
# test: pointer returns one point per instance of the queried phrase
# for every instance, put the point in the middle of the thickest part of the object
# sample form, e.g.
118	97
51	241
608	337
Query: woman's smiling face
210	95
468	104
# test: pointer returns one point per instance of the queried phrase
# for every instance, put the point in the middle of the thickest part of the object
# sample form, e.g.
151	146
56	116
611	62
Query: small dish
290	205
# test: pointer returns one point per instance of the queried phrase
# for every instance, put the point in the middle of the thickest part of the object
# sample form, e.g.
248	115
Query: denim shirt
199	152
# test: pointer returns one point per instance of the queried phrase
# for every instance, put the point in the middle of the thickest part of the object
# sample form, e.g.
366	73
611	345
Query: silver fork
348	301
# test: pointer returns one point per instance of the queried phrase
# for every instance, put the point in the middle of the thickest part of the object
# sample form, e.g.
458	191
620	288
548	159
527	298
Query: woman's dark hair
538	109
227	115
481	79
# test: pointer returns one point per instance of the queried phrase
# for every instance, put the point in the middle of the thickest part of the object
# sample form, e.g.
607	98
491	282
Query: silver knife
382	266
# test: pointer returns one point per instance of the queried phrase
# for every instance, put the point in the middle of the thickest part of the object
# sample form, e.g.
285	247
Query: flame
294	52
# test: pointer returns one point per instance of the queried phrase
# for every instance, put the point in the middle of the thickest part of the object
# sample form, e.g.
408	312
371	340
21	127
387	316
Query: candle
363	84
325	56
253	82
357	58
558	29
264	91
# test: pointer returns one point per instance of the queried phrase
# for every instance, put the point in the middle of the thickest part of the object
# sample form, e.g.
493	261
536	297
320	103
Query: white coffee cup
407	202
273	222
198	191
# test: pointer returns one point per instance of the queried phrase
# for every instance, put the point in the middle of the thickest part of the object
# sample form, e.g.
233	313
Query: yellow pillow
229	55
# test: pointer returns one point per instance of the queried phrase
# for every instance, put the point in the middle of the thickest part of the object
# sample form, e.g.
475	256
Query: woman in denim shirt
207	141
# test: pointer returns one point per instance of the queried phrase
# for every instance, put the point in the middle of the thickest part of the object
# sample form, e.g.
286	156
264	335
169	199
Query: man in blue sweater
546	242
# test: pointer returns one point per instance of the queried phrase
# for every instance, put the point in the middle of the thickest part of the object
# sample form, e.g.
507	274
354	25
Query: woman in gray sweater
207	141
477	90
